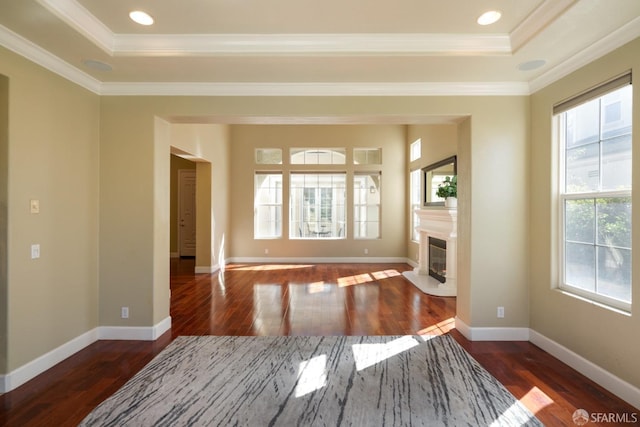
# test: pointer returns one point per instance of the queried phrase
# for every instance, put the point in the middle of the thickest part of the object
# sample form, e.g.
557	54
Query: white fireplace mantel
441	223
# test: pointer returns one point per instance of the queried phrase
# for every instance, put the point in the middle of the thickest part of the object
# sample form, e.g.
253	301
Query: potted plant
448	190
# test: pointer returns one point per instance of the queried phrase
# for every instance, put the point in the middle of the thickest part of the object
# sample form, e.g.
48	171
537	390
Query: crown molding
36	54
81	20
310	44
541	17
318	89
616	39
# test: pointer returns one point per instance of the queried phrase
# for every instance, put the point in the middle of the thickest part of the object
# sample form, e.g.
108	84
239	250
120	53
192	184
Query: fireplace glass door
438	259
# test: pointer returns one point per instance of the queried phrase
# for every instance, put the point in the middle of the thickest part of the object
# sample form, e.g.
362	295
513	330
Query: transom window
595	193
318	156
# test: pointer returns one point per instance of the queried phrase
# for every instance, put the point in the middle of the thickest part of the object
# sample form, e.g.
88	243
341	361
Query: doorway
187	212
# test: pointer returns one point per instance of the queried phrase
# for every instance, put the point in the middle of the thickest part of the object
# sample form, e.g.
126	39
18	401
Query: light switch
35	206
35	251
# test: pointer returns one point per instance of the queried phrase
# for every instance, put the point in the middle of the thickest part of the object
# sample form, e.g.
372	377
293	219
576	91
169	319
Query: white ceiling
311	47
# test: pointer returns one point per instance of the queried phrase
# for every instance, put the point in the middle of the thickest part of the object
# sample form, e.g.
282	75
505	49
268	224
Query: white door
187	212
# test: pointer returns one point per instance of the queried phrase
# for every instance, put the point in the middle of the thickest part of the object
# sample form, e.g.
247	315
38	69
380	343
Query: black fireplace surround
438	259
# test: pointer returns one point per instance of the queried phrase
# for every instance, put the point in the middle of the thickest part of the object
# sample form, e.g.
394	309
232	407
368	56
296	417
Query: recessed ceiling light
141	17
97	65
489	17
531	65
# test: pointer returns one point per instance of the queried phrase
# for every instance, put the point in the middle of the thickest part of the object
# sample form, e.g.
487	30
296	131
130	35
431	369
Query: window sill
617	310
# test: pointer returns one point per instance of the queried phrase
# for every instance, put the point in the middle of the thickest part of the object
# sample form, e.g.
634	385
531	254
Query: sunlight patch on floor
367	355
439	328
379	275
312	375
536	400
354	280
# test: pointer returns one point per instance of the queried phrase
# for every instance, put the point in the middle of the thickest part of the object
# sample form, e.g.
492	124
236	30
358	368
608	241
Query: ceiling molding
540	18
310	44
318	89
616	39
81	20
36	54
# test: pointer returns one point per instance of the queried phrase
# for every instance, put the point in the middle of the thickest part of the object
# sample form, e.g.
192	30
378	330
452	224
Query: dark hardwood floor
300	299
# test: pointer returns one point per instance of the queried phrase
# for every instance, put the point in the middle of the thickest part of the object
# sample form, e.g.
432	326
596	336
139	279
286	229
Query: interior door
187	212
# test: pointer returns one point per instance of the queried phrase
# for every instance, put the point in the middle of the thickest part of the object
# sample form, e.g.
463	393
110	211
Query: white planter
451	202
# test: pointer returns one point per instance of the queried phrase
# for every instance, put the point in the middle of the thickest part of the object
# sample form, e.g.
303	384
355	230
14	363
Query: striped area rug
312	381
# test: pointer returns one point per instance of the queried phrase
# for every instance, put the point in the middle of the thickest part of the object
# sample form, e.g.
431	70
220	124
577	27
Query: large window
267	205
317	203
414	190
595	193
366	205
415	150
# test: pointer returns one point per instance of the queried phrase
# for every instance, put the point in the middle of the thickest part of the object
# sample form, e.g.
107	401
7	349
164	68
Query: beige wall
437	143
4	229
121	176
100	168
390	138
53	152
496	134
605	337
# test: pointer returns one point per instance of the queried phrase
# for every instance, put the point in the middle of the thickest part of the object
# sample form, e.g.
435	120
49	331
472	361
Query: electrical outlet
500	312
366	251
266	251
34	206
124	312
35	251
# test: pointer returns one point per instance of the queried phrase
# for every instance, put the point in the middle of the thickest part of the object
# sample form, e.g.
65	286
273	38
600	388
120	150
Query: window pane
616	163
580	266
415	202
267	222
583	168
580	220
583	124
616	113
318	156
366	209
317	205
415	150
269	156
614	273
367	156
614	222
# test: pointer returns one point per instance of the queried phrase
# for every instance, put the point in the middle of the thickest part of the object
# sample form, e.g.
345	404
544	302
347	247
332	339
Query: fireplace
437	271
438	259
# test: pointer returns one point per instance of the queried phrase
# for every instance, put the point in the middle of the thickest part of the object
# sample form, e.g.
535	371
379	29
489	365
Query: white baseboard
37	366
318	260
135	333
614	384
492	333
207	269
625	391
412	263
